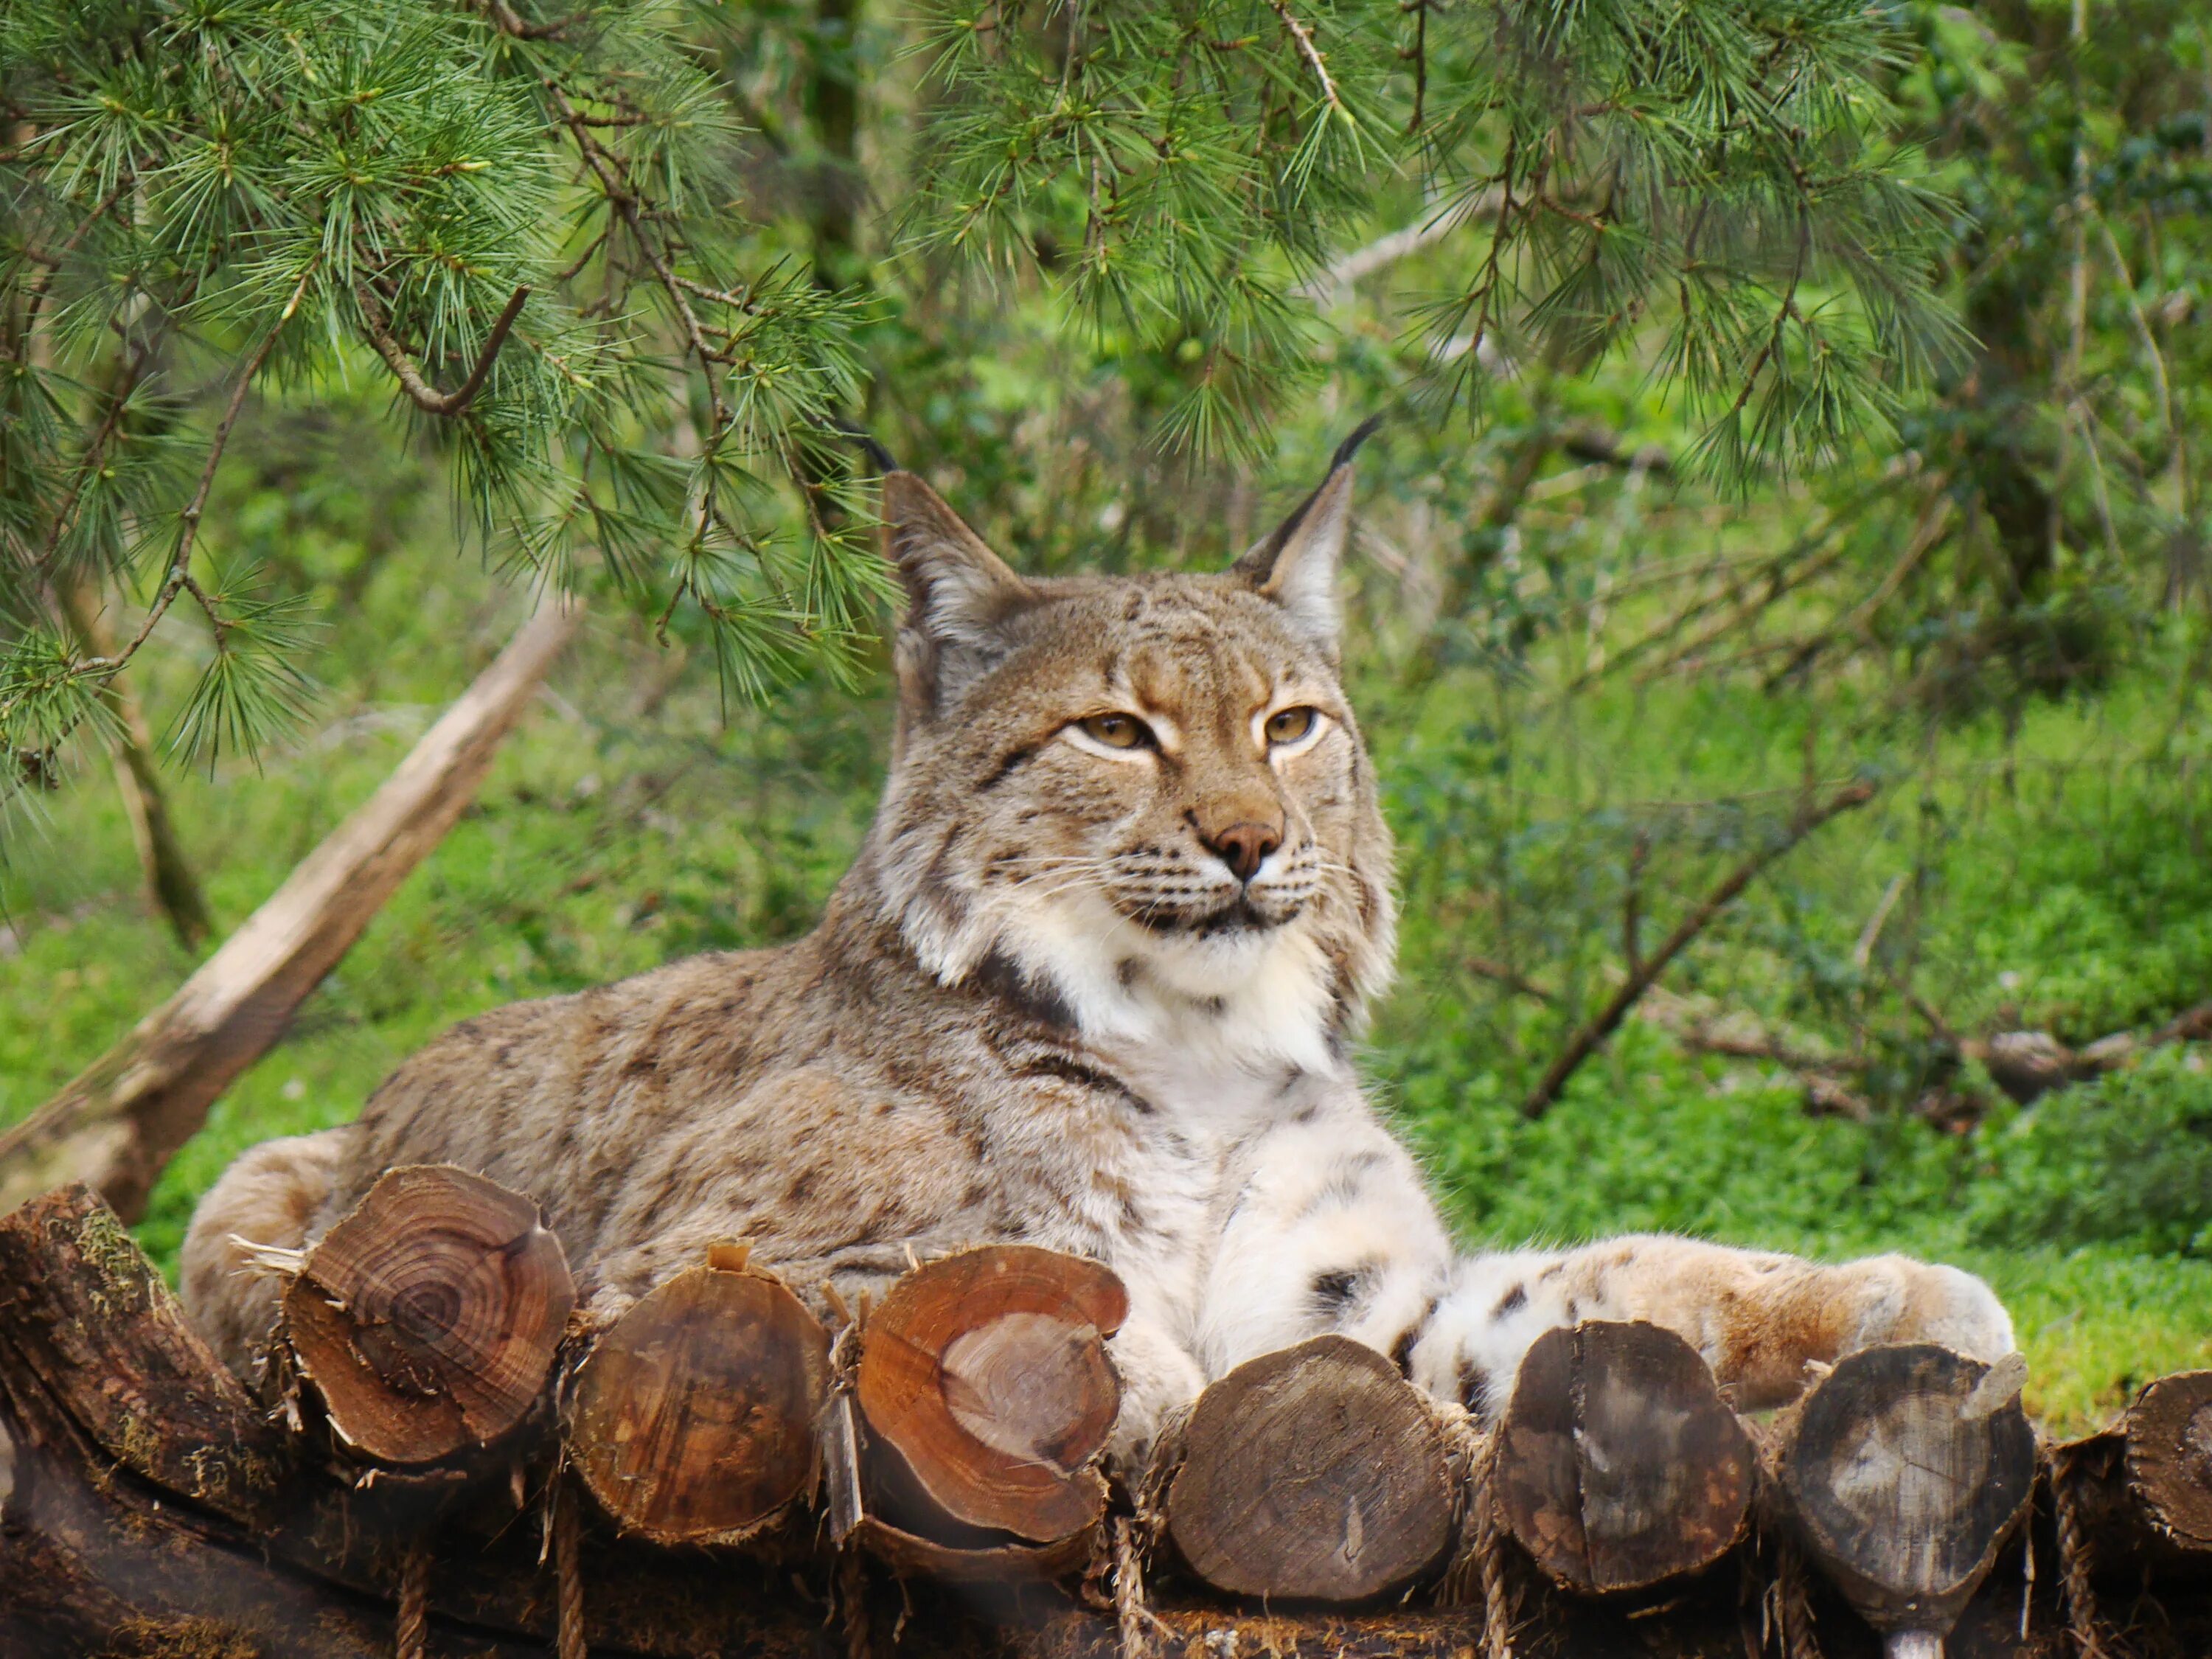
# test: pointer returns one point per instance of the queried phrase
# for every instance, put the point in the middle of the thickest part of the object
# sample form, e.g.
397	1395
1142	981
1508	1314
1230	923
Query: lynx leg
1757	1318
1158	1379
270	1195
1332	1230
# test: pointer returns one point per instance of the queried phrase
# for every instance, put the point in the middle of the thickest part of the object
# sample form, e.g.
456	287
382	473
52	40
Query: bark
1618	1464
117	1123
695	1412
87	1323
170	880
427	1319
1318	1473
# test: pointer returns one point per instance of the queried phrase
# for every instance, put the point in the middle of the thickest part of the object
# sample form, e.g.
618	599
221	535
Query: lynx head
1141	803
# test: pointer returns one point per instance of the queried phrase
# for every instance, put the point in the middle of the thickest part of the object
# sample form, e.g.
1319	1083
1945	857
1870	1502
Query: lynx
1093	983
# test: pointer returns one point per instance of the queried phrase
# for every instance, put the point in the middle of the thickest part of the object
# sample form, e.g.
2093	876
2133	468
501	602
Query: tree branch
1586	1040
1386	250
102	669
425	396
1303	36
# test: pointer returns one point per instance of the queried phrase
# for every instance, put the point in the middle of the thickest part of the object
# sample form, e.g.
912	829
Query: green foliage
2127	1158
1726	166
527	224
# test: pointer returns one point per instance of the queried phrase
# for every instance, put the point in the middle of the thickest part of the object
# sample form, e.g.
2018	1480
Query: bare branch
1862	951
511	21
1386	250
1586	1040
1512	979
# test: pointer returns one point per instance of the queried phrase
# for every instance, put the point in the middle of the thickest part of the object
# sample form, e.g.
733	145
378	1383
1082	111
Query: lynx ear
958	591
1296	566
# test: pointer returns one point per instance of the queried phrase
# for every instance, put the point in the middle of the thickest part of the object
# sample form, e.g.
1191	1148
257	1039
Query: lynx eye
1289	725
1117	731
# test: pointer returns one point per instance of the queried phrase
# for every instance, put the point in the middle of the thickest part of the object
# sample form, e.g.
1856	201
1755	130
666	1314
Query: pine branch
1303	36
424	396
100	669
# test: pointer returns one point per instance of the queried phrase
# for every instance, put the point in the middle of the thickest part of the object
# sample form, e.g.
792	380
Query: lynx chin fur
1092	985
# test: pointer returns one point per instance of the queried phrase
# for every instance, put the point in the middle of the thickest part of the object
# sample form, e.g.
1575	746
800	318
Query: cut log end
1618	1464
1905	1478
985	1375
2170	1456
693	1414
427	1319
1317	1473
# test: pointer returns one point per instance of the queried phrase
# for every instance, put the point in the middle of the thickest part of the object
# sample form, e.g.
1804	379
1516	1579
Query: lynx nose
1245	847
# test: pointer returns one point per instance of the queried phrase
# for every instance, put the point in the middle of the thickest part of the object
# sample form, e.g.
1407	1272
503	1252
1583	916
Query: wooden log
428	1318
1317	1473
1906	1469
100	1559
86	1318
1618	1464
2169	1458
988	1394
694	1415
116	1124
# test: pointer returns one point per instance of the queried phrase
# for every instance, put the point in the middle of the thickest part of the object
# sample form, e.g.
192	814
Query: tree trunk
1907	1469
427	1319
117	1125
1617	1465
85	1319
170	882
695	1412
149	1508
1317	1473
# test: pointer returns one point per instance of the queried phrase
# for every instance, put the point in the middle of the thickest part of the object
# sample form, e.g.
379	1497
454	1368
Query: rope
568	1577
1787	1607
410	1636
1137	1535
2075	1560
1130	1612
852	1601
1478	1564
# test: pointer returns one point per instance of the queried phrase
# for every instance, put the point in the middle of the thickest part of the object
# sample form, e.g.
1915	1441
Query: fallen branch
116	1124
1586	1040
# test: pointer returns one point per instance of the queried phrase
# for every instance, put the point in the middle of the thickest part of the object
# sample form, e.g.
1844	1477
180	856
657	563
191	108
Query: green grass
2057	877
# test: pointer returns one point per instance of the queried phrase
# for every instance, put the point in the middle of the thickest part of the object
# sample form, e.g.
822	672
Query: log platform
710	1476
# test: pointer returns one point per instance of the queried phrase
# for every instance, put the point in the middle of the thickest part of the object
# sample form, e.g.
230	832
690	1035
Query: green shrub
2127	1158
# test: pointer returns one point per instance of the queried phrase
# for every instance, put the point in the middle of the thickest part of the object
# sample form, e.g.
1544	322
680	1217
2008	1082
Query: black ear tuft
1360	435
1296	566
881	458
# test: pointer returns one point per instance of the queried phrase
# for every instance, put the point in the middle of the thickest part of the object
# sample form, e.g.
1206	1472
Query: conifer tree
524	217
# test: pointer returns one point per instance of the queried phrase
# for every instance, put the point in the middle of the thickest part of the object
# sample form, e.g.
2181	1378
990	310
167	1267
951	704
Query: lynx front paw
1469	1349
1158	1379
